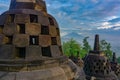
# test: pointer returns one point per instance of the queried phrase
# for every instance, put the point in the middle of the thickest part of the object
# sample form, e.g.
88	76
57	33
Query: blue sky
86	14
89	17
85	17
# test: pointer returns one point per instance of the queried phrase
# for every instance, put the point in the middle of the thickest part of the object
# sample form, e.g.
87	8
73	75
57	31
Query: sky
84	17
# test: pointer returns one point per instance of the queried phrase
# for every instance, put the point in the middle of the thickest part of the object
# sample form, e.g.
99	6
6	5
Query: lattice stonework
30	34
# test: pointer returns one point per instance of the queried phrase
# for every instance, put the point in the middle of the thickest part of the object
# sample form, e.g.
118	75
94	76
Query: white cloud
117	24
108	25
117	28
105	25
63	33
69	29
111	18
80	33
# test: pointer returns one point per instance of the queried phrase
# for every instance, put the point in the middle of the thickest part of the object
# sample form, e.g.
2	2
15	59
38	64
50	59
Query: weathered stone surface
33	52
1	39
9	29
6	52
22	5
1	30
78	72
3	19
25	1
55	22
9	19
4	39
55	51
53	31
58	31
43	20
24	19
63	72
55	73
21	40
58	41
44	40
117	71
33	29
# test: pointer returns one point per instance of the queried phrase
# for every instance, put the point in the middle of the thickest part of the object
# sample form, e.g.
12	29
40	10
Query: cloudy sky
84	17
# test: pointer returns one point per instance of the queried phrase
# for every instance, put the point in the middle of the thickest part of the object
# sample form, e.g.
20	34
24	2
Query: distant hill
73	35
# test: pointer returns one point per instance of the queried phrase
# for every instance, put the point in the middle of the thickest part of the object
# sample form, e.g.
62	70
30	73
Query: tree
71	47
106	47
118	59
86	45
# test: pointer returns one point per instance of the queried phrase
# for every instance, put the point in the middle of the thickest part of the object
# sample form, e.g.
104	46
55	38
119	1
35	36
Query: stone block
40	7
33	29
44	40
21	40
58	31
10	18
60	47
1	28
9	29
55	22
53	31
43	20
6	52
22	18
58	40
22	5
55	51
33	52
3	39
8	76
25	1
3	18
55	73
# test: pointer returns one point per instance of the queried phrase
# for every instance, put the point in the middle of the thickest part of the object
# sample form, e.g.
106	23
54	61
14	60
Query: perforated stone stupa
30	46
97	66
115	66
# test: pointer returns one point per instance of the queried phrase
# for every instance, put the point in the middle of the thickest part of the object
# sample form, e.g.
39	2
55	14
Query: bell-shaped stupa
30	45
97	66
115	66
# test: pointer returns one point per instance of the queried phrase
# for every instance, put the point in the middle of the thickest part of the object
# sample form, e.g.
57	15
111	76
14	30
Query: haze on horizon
85	17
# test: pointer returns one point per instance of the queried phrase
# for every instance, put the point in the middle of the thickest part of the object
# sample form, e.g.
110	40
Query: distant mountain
73	35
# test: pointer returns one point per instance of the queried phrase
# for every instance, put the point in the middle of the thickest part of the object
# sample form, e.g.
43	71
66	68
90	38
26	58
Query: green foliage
83	53
71	47
86	46
106	47
118	59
